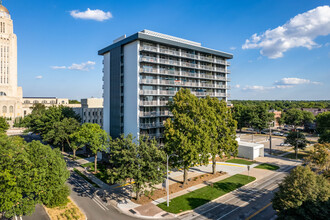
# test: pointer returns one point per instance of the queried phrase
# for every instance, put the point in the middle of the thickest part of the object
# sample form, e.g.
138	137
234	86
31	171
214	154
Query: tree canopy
302	195
30	173
142	162
3	125
297	140
93	137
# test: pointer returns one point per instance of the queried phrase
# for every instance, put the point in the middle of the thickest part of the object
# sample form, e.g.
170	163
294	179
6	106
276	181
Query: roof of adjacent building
4	9
248	144
164	39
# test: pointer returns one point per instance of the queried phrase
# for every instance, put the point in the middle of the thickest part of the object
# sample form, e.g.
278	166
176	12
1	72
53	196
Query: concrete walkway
119	196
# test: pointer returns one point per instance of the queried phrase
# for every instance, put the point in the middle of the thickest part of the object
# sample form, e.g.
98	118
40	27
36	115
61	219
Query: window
4	109
26	102
11	109
3	94
35	101
44	101
52	102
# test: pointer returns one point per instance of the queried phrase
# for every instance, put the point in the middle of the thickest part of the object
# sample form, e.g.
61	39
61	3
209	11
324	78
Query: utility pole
270	140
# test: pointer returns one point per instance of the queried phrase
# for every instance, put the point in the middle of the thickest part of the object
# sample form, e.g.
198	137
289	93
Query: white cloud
284	83
38	77
232	48
237	86
82	66
97	15
58	67
299	31
294	81
327	44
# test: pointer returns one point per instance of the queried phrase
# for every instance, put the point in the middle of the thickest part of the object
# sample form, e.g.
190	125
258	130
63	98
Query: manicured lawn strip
240	161
267	166
101	168
293	156
85	177
203	195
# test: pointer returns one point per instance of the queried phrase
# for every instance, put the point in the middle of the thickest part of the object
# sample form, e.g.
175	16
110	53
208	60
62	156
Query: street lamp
167	183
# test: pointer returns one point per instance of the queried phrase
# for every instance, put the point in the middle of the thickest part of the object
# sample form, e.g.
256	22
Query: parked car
285	145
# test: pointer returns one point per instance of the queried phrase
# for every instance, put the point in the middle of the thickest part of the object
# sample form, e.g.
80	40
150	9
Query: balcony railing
155	114
148	70
189	55
183	73
148	92
149	48
171	52
171	72
148	103
149	81
163	102
167	92
150	125
148	59
192	65
209	59
171	62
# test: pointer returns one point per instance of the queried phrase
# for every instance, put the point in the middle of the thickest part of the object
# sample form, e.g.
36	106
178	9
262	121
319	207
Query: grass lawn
240	161
101	168
267	166
203	195
293	156
86	178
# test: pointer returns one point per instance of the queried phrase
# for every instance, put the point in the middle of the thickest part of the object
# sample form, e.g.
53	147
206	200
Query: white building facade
10	93
143	72
91	111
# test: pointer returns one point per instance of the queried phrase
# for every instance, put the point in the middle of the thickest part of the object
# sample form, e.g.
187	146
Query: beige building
91	111
10	94
28	103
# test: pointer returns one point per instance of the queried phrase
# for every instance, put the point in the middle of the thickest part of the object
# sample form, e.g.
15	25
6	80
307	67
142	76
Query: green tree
297	140
3	125
319	157
141	161
183	132
92	136
302	191
325	137
51	174
219	128
296	117
30	174
74	102
59	134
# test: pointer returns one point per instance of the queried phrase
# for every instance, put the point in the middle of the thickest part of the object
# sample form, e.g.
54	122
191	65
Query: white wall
106	93
131	89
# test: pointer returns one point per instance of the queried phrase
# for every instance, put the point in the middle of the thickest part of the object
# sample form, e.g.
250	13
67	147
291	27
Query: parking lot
264	139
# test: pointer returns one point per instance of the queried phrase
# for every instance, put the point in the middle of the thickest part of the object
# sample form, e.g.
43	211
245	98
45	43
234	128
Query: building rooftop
164	39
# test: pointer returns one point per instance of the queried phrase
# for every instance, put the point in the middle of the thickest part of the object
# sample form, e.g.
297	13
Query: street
244	202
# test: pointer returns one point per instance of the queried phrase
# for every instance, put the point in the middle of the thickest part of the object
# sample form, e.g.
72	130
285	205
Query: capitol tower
10	94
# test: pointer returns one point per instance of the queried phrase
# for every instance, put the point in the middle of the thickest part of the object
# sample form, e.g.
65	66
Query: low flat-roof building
250	150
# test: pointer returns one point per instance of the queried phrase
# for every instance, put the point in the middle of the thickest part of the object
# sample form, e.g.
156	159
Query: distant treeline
284	104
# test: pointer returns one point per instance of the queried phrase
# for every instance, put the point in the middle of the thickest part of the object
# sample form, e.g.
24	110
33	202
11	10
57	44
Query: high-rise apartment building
10	94
143	72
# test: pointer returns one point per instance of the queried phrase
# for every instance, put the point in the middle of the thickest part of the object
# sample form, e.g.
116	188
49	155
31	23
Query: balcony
150	125
223	62
170	72
155	114
170	62
189	55
219	69
148	103
163	103
183	73
148	70
148	59
148	81
167	92
155	135
206	67
148	92
190	65
170	52
148	48
208	59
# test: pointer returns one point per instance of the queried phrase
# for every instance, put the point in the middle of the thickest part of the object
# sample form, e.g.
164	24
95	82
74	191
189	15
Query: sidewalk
119	196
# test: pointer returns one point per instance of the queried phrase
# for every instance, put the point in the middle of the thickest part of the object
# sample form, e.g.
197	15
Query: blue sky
286	59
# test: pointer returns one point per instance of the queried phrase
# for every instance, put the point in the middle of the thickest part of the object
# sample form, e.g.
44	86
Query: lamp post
167	183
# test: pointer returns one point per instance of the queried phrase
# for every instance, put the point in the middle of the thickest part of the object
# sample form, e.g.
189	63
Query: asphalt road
249	202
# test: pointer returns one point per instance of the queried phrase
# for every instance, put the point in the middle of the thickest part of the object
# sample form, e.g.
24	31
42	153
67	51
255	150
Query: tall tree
3	125
323	127
59	134
222	129
301	192
31	173
297	117
182	132
141	161
297	140
94	137
319	158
